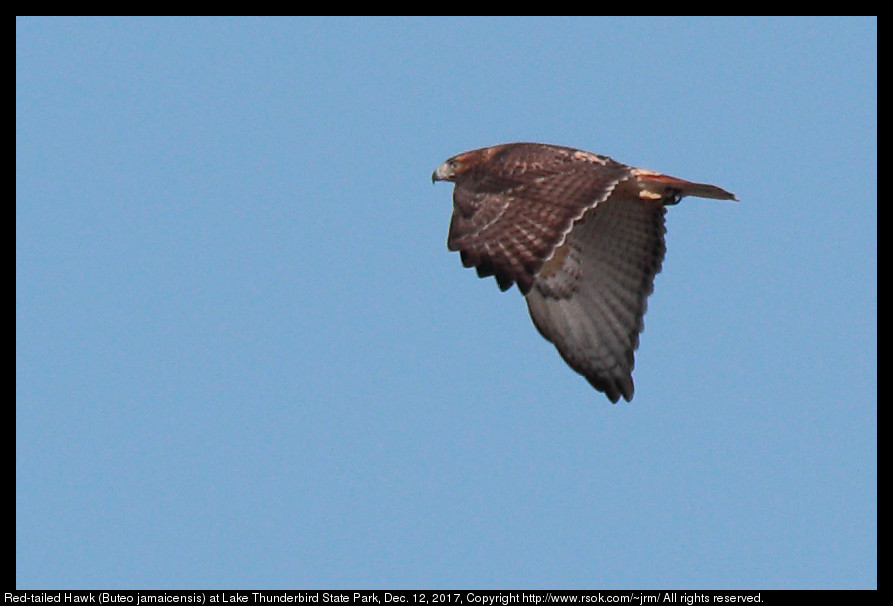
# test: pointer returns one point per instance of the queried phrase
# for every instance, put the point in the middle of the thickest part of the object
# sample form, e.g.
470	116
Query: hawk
580	234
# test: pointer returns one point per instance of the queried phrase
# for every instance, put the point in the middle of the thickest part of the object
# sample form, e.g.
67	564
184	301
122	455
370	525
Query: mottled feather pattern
511	233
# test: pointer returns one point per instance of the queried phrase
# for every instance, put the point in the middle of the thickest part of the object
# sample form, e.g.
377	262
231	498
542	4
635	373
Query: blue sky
245	358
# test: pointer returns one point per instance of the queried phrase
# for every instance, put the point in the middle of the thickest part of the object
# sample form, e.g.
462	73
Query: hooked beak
444	172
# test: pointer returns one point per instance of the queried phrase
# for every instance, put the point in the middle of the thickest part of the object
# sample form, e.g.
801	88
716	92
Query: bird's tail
658	182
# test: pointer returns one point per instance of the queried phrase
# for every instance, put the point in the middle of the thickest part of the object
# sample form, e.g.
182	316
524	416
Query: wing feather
509	219
590	303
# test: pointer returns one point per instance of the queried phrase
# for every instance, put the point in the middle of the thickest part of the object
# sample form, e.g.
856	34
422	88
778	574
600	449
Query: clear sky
245	358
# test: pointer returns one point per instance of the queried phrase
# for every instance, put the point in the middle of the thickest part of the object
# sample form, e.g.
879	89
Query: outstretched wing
513	210
590	297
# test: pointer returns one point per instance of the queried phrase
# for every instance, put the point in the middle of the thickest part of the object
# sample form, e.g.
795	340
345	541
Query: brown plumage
580	234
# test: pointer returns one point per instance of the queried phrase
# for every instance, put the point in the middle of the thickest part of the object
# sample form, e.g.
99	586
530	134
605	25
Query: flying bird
580	234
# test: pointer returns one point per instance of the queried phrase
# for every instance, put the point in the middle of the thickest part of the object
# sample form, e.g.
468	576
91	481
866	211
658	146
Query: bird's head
448	170
456	166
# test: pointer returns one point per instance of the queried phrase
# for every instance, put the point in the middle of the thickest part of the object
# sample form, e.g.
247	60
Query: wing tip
614	387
